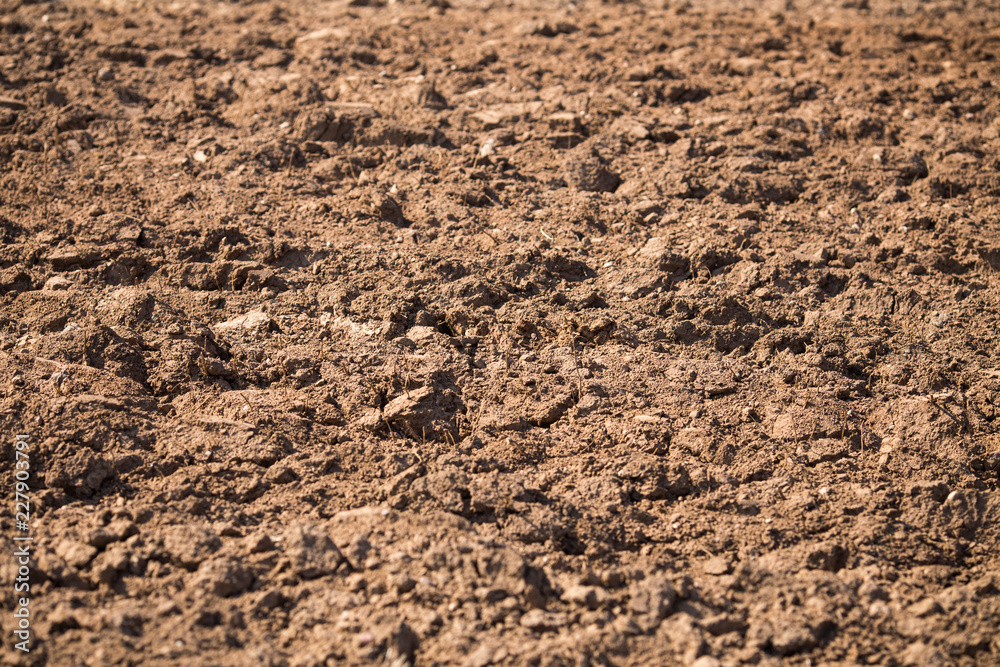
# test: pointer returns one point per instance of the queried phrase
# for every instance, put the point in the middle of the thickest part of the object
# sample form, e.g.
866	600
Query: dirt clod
562	333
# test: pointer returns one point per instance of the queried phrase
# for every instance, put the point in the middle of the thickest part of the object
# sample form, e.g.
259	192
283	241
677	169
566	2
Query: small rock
792	639
637	132
922	655
892	195
255	320
371	420
272	58
57	283
598	330
425	335
260	543
166	56
189	546
706	661
109	564
659	250
482	656
488	147
717	566
314	126
940	319
503	114
925	607
591	597
813	253
73	256
652	600
386	208
280	474
541	621
426	95
310	551
223	577
101	537
76	554
404	584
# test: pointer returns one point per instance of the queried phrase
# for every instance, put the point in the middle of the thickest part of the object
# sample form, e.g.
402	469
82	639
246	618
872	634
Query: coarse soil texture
452	332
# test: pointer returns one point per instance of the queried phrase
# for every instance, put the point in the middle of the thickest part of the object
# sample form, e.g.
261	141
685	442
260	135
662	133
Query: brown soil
502	333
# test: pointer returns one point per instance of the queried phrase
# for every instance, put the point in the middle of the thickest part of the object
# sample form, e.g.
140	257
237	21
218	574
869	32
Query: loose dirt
480	333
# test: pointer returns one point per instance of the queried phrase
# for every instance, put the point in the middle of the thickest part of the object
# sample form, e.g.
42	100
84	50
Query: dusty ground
503	334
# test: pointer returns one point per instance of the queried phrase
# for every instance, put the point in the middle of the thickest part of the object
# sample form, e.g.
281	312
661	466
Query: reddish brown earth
502	333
